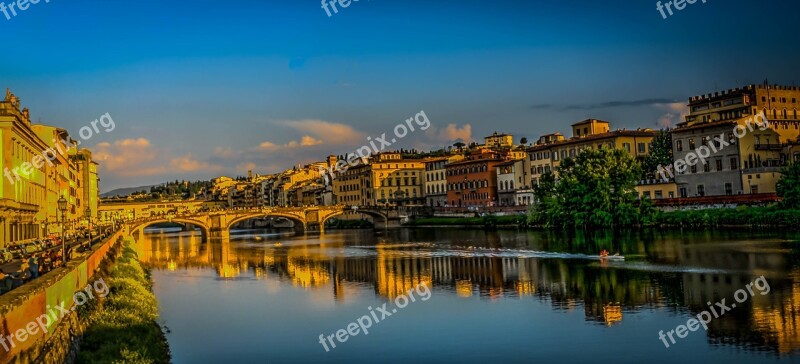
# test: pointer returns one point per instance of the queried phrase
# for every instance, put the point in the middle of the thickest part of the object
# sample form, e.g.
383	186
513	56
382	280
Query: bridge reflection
605	294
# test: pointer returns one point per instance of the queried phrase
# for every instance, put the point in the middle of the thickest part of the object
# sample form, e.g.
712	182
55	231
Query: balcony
769	146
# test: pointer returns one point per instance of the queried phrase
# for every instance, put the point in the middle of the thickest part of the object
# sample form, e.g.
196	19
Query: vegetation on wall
123	329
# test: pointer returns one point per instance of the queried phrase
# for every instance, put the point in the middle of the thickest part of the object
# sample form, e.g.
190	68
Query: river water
479	297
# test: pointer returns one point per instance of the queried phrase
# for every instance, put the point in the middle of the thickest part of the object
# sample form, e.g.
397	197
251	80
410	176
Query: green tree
546	201
595	189
660	154
788	186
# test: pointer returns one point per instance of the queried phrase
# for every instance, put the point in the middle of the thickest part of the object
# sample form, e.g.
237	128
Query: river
498	296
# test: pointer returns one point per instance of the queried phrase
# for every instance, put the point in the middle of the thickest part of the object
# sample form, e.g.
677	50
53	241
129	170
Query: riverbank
744	217
123	327
484	221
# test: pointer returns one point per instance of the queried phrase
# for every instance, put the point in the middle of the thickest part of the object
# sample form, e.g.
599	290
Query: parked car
6	256
17	251
38	245
31	248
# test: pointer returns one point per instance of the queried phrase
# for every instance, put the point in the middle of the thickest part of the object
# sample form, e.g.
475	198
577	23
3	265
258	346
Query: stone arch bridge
219	223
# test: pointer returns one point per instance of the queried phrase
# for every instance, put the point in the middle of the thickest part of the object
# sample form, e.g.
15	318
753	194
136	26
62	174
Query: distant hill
125	191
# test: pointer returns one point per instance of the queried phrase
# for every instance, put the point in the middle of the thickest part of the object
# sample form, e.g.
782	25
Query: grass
484	221
771	216
123	329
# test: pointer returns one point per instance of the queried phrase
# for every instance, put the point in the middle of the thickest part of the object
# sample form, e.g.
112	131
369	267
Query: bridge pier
315	228
223	234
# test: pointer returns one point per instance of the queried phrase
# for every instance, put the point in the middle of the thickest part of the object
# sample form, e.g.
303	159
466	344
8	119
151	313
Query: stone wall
22	306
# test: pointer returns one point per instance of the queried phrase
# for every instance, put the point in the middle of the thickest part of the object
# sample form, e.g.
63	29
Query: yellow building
396	181
23	188
498	140
63	177
350	186
384	180
40	164
546	155
88	182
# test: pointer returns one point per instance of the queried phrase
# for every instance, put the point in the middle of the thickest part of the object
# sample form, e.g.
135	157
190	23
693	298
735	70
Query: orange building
473	181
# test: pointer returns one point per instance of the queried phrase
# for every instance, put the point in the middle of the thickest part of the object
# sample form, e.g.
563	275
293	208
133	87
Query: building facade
396	181
472	182
514	183
546	155
436	180
41	164
750	162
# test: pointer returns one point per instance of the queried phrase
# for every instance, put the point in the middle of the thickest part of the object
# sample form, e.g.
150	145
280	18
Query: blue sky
202	88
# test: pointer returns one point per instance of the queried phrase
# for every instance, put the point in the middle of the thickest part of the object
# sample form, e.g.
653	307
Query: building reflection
604	293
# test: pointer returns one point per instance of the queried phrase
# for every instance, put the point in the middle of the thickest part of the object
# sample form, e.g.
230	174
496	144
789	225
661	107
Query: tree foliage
595	189
660	154
788	186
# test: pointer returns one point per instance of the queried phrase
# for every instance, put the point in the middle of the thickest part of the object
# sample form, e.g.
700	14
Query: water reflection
665	272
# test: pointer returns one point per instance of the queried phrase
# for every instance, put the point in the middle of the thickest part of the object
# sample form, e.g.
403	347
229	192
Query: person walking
6	282
47	262
33	266
24	273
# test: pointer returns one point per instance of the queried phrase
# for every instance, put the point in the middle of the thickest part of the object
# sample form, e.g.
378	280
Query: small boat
611	257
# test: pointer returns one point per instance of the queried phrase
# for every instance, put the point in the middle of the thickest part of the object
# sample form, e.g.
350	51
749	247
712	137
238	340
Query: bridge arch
138	228
373	213
299	224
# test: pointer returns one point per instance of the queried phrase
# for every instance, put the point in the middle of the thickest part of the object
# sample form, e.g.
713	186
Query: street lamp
88	214
62	207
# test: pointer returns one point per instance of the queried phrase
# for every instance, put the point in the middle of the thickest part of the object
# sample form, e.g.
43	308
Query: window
706	167
691	143
642	148
728	189
694	168
719	164
734	165
701	190
627	147
679	145
659	195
